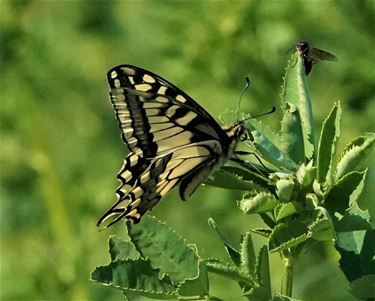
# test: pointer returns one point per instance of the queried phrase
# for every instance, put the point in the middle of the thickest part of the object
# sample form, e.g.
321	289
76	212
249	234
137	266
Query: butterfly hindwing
144	182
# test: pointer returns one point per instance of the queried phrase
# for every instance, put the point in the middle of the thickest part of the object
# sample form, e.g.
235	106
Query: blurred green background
61	146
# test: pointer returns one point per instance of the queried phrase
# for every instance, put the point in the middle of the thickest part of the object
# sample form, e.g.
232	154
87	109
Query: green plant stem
287	280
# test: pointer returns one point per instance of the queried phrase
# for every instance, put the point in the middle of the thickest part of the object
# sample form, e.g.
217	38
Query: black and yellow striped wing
172	140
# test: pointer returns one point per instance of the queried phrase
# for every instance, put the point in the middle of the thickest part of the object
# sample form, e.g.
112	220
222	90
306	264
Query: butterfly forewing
150	109
172	140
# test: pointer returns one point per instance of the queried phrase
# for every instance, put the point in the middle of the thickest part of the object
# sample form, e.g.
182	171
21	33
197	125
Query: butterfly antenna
260	115
247	84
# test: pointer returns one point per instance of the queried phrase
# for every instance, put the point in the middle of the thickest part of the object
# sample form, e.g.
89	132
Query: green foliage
303	199
60	145
327	144
165	250
165	266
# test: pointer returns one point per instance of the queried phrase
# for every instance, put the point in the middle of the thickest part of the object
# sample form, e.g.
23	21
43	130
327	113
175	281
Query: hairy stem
287	279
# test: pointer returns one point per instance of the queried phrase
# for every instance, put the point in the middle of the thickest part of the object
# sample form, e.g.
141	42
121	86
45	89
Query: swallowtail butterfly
172	141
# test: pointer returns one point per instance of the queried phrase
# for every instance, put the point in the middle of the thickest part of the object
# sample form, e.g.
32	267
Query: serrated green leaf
291	140
248	258
198	287
311	201
306	174
224	269
345	192
354	220
262	272
363	288
269	151
264	129
253	202
249	176
355	154
295	91
327	143
231	180
135	276
132	296
136	296
165	249
263	232
122	250
322	230
357	250
287	235
284	188
268	219
317	187
284	210
232	252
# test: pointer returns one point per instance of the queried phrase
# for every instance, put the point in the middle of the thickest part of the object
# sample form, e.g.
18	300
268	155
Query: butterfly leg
245	153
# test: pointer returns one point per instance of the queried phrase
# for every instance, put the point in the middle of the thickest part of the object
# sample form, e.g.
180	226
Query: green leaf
284	188
306	174
263	232
258	293
318	190
355	154
311	201
224	269
291	138
284	210
231	180
248	259
165	249
262	272
249	176
139	296
357	250
345	192
213	298
364	287
268	219
279	297
264	129
287	235
295	91
122	250
327	143
197	287
254	202
135	296
354	220
232	252
136	276
322	230
269	151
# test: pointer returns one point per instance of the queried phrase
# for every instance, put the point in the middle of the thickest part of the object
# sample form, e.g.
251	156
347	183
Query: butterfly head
237	132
